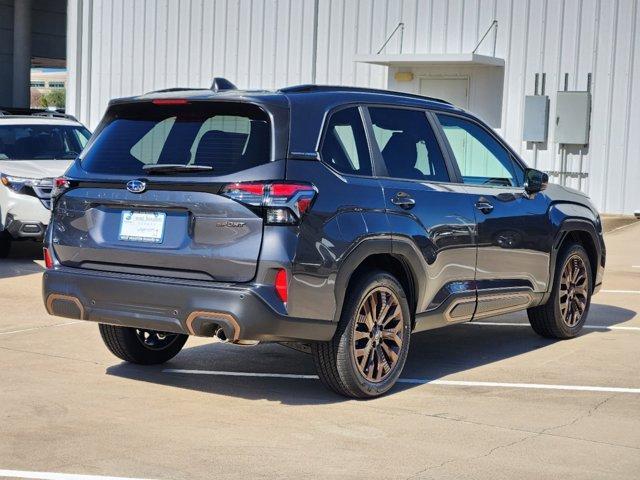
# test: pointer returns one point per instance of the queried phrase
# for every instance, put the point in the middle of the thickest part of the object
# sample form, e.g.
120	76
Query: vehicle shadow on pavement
264	358
21	260
434	354
455	349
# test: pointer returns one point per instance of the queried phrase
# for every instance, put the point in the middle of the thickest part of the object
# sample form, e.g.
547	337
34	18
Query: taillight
281	203
48	261
60	184
282	286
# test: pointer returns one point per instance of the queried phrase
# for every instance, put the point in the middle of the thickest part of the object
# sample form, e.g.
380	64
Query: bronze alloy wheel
377	335
574	290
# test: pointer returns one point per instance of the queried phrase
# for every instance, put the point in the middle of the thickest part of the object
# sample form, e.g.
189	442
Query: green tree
54	98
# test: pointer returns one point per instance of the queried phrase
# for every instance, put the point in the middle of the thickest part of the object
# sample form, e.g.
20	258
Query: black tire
548	320
126	344
5	244
335	360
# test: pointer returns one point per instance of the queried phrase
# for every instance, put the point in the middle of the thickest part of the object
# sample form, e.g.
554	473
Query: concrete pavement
68	407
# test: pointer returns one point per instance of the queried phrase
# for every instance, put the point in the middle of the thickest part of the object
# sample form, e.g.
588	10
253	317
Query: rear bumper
247	313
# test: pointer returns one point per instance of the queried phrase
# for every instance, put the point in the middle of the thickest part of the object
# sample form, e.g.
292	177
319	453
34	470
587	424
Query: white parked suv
36	146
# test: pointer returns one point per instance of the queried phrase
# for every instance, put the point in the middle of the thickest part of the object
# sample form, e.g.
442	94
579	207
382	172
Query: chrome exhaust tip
220	335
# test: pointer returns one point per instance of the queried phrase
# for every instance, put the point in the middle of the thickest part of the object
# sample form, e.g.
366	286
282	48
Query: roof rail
35	112
220	84
337	88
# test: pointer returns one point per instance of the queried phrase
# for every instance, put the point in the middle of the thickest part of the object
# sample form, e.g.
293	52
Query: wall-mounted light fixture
403	76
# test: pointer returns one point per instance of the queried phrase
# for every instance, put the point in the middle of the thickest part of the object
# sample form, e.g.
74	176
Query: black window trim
515	160
325	127
378	161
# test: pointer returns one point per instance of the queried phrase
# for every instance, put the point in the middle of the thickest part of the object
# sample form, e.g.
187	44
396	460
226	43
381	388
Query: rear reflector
48	261
169	101
281	284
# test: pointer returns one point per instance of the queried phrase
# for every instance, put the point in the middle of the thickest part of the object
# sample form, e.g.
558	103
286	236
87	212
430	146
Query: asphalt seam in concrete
631	224
62	357
41	327
549	431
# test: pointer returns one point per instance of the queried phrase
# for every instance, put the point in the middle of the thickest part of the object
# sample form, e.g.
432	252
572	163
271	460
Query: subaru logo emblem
136	186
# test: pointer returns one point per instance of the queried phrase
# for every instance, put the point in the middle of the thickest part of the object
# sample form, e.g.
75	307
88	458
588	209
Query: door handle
484	206
403	200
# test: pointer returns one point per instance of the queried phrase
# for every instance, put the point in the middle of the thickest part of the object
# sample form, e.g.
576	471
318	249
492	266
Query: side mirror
535	181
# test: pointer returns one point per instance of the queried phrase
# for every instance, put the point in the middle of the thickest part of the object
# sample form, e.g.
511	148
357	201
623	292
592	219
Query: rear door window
226	137
408	144
345	144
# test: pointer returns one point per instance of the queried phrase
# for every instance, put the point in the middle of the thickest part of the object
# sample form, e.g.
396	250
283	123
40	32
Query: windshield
42	142
221	138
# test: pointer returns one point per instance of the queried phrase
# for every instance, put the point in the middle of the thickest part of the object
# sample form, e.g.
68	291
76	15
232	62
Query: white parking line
240	374
41	327
620	291
58	476
535	386
519	324
419	381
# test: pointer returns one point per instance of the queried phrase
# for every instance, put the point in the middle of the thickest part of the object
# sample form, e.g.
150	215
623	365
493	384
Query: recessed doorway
451	89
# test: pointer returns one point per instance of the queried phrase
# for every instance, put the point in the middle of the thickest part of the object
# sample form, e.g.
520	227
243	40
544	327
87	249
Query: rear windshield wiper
175	168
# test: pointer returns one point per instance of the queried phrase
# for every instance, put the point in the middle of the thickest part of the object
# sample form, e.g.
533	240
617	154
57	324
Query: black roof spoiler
219	85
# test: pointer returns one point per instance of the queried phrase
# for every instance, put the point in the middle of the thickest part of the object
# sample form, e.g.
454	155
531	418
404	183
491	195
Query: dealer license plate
145	227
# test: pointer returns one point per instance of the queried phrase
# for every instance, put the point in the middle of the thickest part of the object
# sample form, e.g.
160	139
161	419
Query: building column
21	53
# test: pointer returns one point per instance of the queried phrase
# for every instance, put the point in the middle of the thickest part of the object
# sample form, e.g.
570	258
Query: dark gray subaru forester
336	220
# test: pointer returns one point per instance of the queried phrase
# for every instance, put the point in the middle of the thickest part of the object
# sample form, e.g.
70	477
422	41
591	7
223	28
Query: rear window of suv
228	137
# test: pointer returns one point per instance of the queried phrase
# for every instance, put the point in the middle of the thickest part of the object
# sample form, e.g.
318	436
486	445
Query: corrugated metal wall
125	47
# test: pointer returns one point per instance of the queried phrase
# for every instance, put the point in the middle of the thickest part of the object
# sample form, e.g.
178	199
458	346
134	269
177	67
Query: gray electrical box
573	110
536	118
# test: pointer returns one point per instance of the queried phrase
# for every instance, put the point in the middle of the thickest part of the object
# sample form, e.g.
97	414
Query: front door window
482	160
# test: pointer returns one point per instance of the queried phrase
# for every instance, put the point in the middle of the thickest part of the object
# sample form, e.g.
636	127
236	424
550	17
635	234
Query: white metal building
126	47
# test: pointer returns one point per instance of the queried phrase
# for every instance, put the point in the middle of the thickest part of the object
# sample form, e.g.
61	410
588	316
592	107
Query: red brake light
281	284
252	188
169	101
60	184
295	196
48	261
283	203
288	189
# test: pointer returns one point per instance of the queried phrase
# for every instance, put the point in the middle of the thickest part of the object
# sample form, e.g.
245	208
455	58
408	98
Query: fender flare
402	249
567	226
